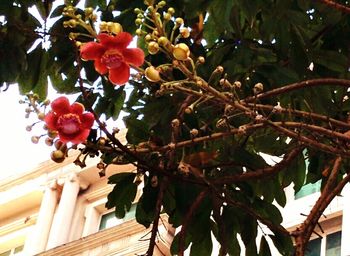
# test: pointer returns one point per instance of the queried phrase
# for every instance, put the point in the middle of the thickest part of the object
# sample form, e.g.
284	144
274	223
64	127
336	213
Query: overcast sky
17	152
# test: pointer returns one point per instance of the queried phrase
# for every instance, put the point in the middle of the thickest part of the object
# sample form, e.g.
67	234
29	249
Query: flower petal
64	137
81	136
87	120
50	120
61	105
119	75
134	56
120	41
77	108
91	51
99	67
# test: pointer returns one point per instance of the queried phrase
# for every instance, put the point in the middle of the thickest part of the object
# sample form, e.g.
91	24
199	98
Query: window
109	220
314	248
14	251
333	244
308	189
330	243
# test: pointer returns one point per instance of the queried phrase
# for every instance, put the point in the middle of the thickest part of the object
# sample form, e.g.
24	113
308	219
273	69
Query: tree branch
163	186
297	86
303	233
260	173
335	5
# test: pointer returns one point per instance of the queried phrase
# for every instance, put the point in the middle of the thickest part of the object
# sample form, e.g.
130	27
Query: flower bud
100	166
35	139
171	10
138	32
101	141
237	84
163	41
46	102
179	21
152	74
148	38
175	123
57	156
58	144
194	132
52	134
166	16
181	51
258	88
219	69
153	48
88	11
138	22
161	4
115	28
185	32
103	26
41	116
49	141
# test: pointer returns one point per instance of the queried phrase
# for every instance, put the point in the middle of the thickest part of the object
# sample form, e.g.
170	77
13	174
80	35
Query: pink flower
111	55
69	121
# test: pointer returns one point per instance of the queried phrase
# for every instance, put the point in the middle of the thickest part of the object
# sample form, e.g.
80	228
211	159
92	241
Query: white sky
17	152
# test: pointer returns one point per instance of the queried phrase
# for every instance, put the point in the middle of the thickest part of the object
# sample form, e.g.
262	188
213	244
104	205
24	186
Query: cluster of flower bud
111	27
154	33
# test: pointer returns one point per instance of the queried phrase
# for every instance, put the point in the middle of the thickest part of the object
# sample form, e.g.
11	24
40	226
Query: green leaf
123	193
295	172
283	243
264	249
145	211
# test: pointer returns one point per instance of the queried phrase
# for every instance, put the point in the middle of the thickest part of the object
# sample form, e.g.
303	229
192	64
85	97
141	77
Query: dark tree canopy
221	83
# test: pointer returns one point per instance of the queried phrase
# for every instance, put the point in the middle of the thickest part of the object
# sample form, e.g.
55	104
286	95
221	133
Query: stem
155	224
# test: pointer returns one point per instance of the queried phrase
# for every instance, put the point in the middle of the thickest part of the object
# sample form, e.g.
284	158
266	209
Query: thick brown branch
335	5
303	233
260	173
297	86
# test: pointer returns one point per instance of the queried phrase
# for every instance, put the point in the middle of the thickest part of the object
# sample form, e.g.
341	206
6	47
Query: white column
92	219
37	240
345	245
59	233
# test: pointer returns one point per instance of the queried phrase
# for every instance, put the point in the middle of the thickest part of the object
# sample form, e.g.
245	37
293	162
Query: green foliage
123	193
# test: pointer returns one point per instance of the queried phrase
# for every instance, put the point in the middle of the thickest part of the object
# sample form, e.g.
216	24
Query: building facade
59	209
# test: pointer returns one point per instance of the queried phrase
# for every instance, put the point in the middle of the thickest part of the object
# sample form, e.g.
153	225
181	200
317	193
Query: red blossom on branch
111	55
70	121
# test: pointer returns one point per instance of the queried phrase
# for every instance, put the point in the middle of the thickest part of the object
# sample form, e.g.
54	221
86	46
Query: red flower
69	121
111	55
